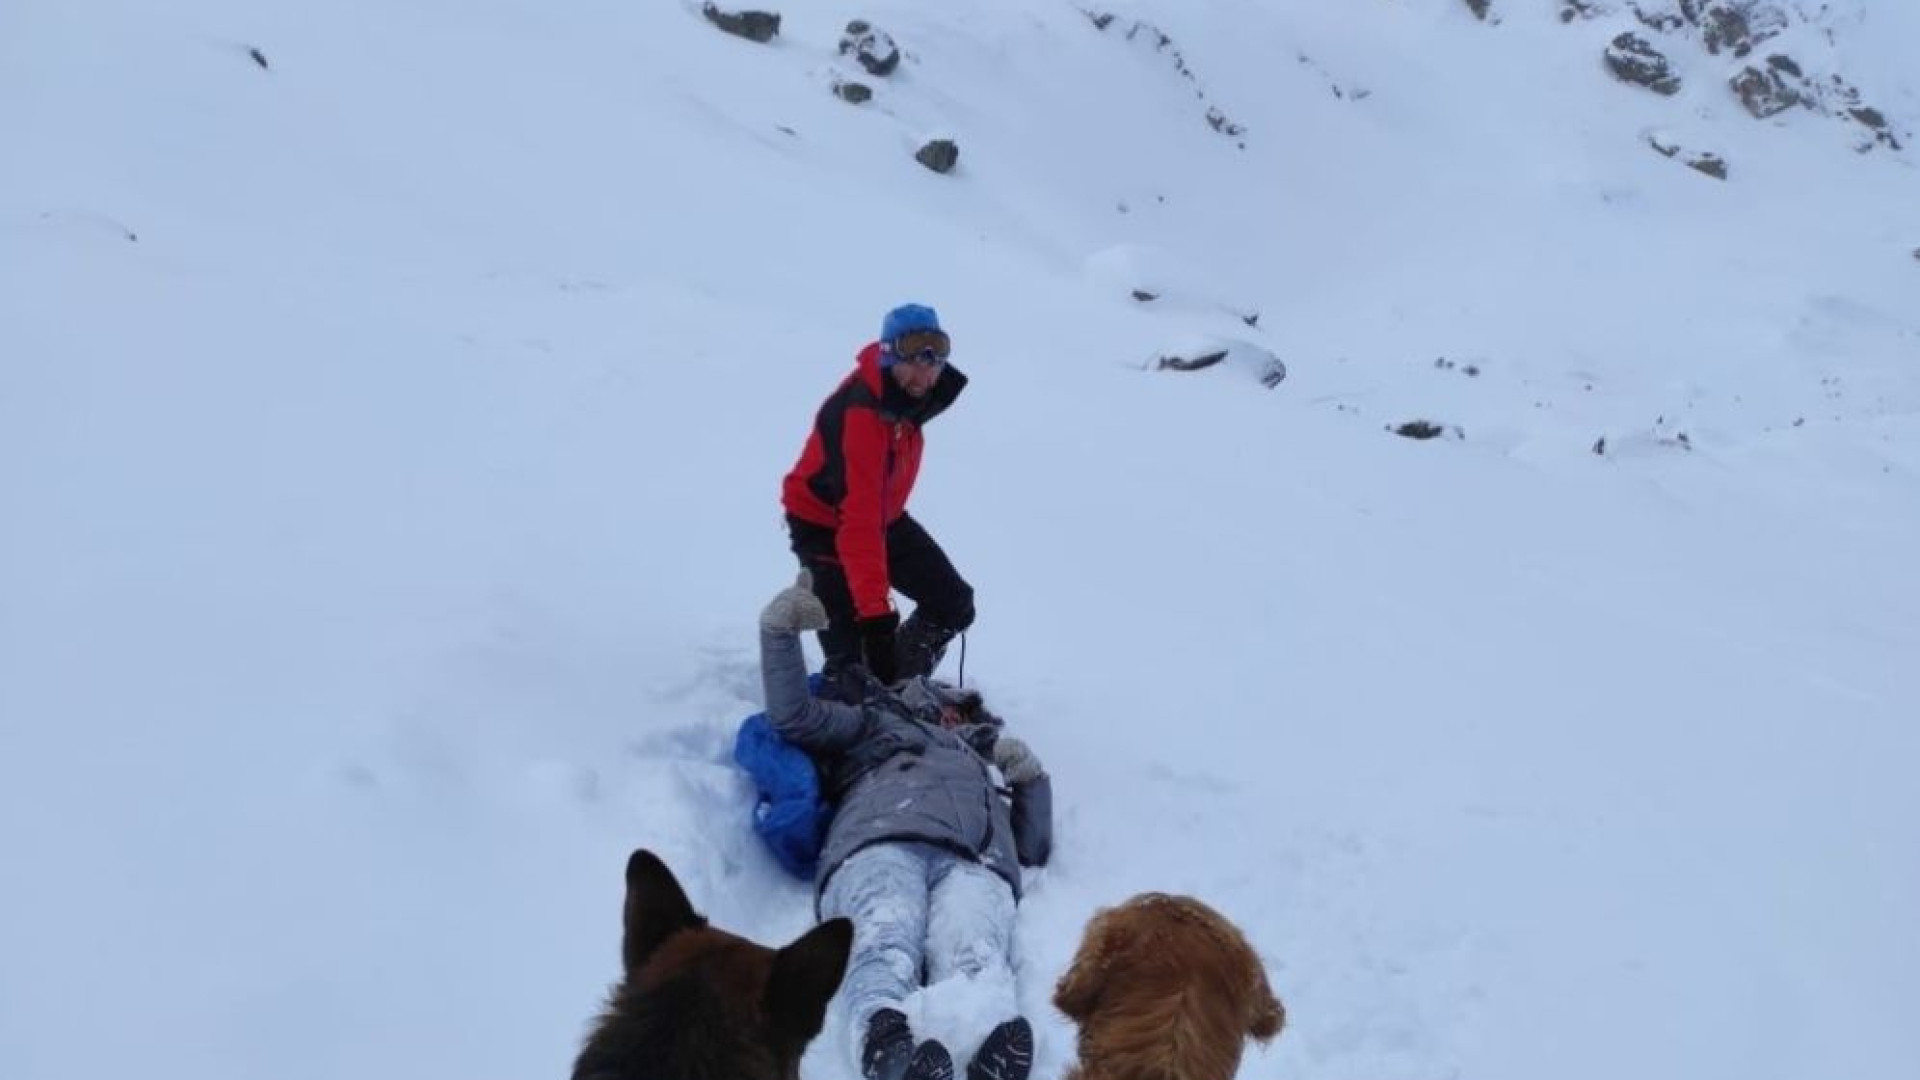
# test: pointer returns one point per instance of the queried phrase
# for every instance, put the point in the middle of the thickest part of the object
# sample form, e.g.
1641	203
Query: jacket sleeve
861	539
798	716
1033	820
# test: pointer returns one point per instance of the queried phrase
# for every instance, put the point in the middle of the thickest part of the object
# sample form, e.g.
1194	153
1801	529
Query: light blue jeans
919	910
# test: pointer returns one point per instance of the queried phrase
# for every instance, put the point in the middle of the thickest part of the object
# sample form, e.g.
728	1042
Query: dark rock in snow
1734	26
760	26
940	155
1480	8
1144	296
1876	122
1579	9
1706	161
853	93
1764	93
1633	59
1711	164
1192	363
259	58
1219	122
1662	21
873	47
1419	429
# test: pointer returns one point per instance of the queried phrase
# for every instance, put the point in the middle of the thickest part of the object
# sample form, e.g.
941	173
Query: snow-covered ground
389	447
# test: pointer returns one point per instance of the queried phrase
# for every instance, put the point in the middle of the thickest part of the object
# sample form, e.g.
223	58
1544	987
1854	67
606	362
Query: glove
795	608
878	645
1016	760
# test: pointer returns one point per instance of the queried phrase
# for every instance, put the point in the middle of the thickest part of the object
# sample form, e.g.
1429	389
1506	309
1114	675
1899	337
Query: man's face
916	377
918	358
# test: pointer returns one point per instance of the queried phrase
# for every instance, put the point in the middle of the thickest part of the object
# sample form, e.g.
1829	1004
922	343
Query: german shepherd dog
1165	988
697	1003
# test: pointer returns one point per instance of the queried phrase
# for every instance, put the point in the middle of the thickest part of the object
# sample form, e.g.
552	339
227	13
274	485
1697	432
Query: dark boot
921	645
930	1062
1005	1054
888	1047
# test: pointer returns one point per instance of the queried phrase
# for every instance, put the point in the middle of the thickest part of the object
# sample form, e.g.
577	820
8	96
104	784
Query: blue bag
790	815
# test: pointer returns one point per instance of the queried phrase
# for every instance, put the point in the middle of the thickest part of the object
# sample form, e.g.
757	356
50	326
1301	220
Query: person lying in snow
924	852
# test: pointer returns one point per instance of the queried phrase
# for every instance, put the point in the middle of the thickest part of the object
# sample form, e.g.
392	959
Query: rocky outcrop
1733	26
1141	32
1736	29
1633	59
1765	91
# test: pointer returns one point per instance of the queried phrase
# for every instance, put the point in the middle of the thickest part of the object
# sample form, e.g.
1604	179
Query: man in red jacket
846	503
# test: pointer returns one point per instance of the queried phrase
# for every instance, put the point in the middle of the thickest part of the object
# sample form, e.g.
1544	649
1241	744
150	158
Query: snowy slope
389	440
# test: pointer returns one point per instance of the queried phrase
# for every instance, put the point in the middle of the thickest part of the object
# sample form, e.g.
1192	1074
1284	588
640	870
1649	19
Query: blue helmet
904	319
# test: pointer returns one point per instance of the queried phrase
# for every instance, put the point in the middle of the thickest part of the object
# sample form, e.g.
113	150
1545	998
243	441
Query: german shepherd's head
697	1003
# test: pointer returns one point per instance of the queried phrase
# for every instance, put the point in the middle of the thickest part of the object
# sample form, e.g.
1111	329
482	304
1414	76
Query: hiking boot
930	1062
1005	1054
888	1046
920	645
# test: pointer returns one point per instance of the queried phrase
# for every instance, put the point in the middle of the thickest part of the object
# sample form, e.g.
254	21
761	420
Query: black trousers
943	601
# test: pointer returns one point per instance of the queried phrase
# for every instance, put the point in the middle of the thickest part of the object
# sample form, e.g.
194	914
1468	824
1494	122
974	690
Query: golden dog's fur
1165	988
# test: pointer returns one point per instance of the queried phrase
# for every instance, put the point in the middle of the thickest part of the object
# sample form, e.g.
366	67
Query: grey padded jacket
898	777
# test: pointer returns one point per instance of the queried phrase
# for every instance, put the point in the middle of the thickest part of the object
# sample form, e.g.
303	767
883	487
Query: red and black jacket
858	468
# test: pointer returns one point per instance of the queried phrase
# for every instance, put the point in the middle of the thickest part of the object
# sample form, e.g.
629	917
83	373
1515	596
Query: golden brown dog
1165	988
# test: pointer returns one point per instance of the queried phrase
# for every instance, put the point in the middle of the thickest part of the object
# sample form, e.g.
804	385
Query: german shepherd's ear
805	975
656	909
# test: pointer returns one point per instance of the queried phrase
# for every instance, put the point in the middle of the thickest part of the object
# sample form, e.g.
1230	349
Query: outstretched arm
794	712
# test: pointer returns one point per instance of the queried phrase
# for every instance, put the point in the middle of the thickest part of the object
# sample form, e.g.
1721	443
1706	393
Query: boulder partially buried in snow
1235	355
1148	274
1703	161
761	26
1633	59
871	46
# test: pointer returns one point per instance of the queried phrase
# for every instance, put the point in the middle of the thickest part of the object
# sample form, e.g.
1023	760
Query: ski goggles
929	347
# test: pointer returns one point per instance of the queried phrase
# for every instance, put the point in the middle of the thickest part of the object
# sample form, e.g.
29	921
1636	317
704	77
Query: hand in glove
1016	760
795	608
878	646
